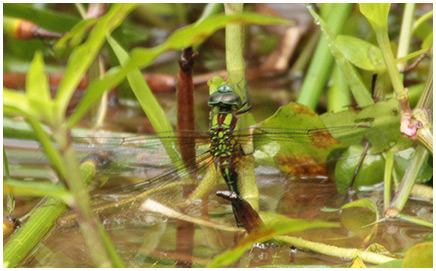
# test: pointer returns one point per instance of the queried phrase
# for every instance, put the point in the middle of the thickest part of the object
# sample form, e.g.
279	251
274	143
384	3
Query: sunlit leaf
419	256
75	36
36	81
37	90
357	263
82	56
17	100
376	13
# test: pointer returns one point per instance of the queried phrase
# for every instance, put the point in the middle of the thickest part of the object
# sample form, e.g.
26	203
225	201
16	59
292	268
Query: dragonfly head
226	99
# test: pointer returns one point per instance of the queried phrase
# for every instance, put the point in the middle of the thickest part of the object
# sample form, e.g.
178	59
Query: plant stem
297	70
87	221
30	234
338	96
348	253
381	34
406	33
415	220
236	71
389	165
419	158
322	61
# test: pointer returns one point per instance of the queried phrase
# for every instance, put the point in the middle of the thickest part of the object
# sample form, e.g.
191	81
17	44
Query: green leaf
16	100
20	188
184	37
294	266
148	102
83	56
74	37
46	19
359	215
410	56
419	256
402	160
391	264
428	41
40	133
361	53
354	81
289	155
37	87
142	91
382	120
364	203
271	229
377	14
370	172
38	92
196	33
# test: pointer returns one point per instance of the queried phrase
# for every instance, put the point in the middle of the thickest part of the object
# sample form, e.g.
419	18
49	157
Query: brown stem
26	30
186	121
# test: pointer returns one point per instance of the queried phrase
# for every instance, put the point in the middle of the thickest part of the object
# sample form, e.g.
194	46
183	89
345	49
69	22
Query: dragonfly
305	151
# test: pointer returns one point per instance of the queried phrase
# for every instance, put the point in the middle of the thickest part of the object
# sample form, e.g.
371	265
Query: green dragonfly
306	151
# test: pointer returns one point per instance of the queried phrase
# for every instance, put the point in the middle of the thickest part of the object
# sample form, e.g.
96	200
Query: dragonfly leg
231	178
243	152
246	97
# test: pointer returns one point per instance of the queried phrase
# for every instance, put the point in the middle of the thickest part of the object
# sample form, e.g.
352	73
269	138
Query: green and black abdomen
223	148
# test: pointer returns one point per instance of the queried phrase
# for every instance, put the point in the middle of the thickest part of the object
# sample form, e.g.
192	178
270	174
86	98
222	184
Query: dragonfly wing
168	188
135	155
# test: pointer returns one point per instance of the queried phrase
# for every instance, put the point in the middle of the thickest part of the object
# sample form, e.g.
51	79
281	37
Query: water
149	239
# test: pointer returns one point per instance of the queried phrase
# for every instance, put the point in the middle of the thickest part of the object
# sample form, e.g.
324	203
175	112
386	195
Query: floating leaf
402	160
391	264
419	256
271	229
369	173
364	203
357	215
